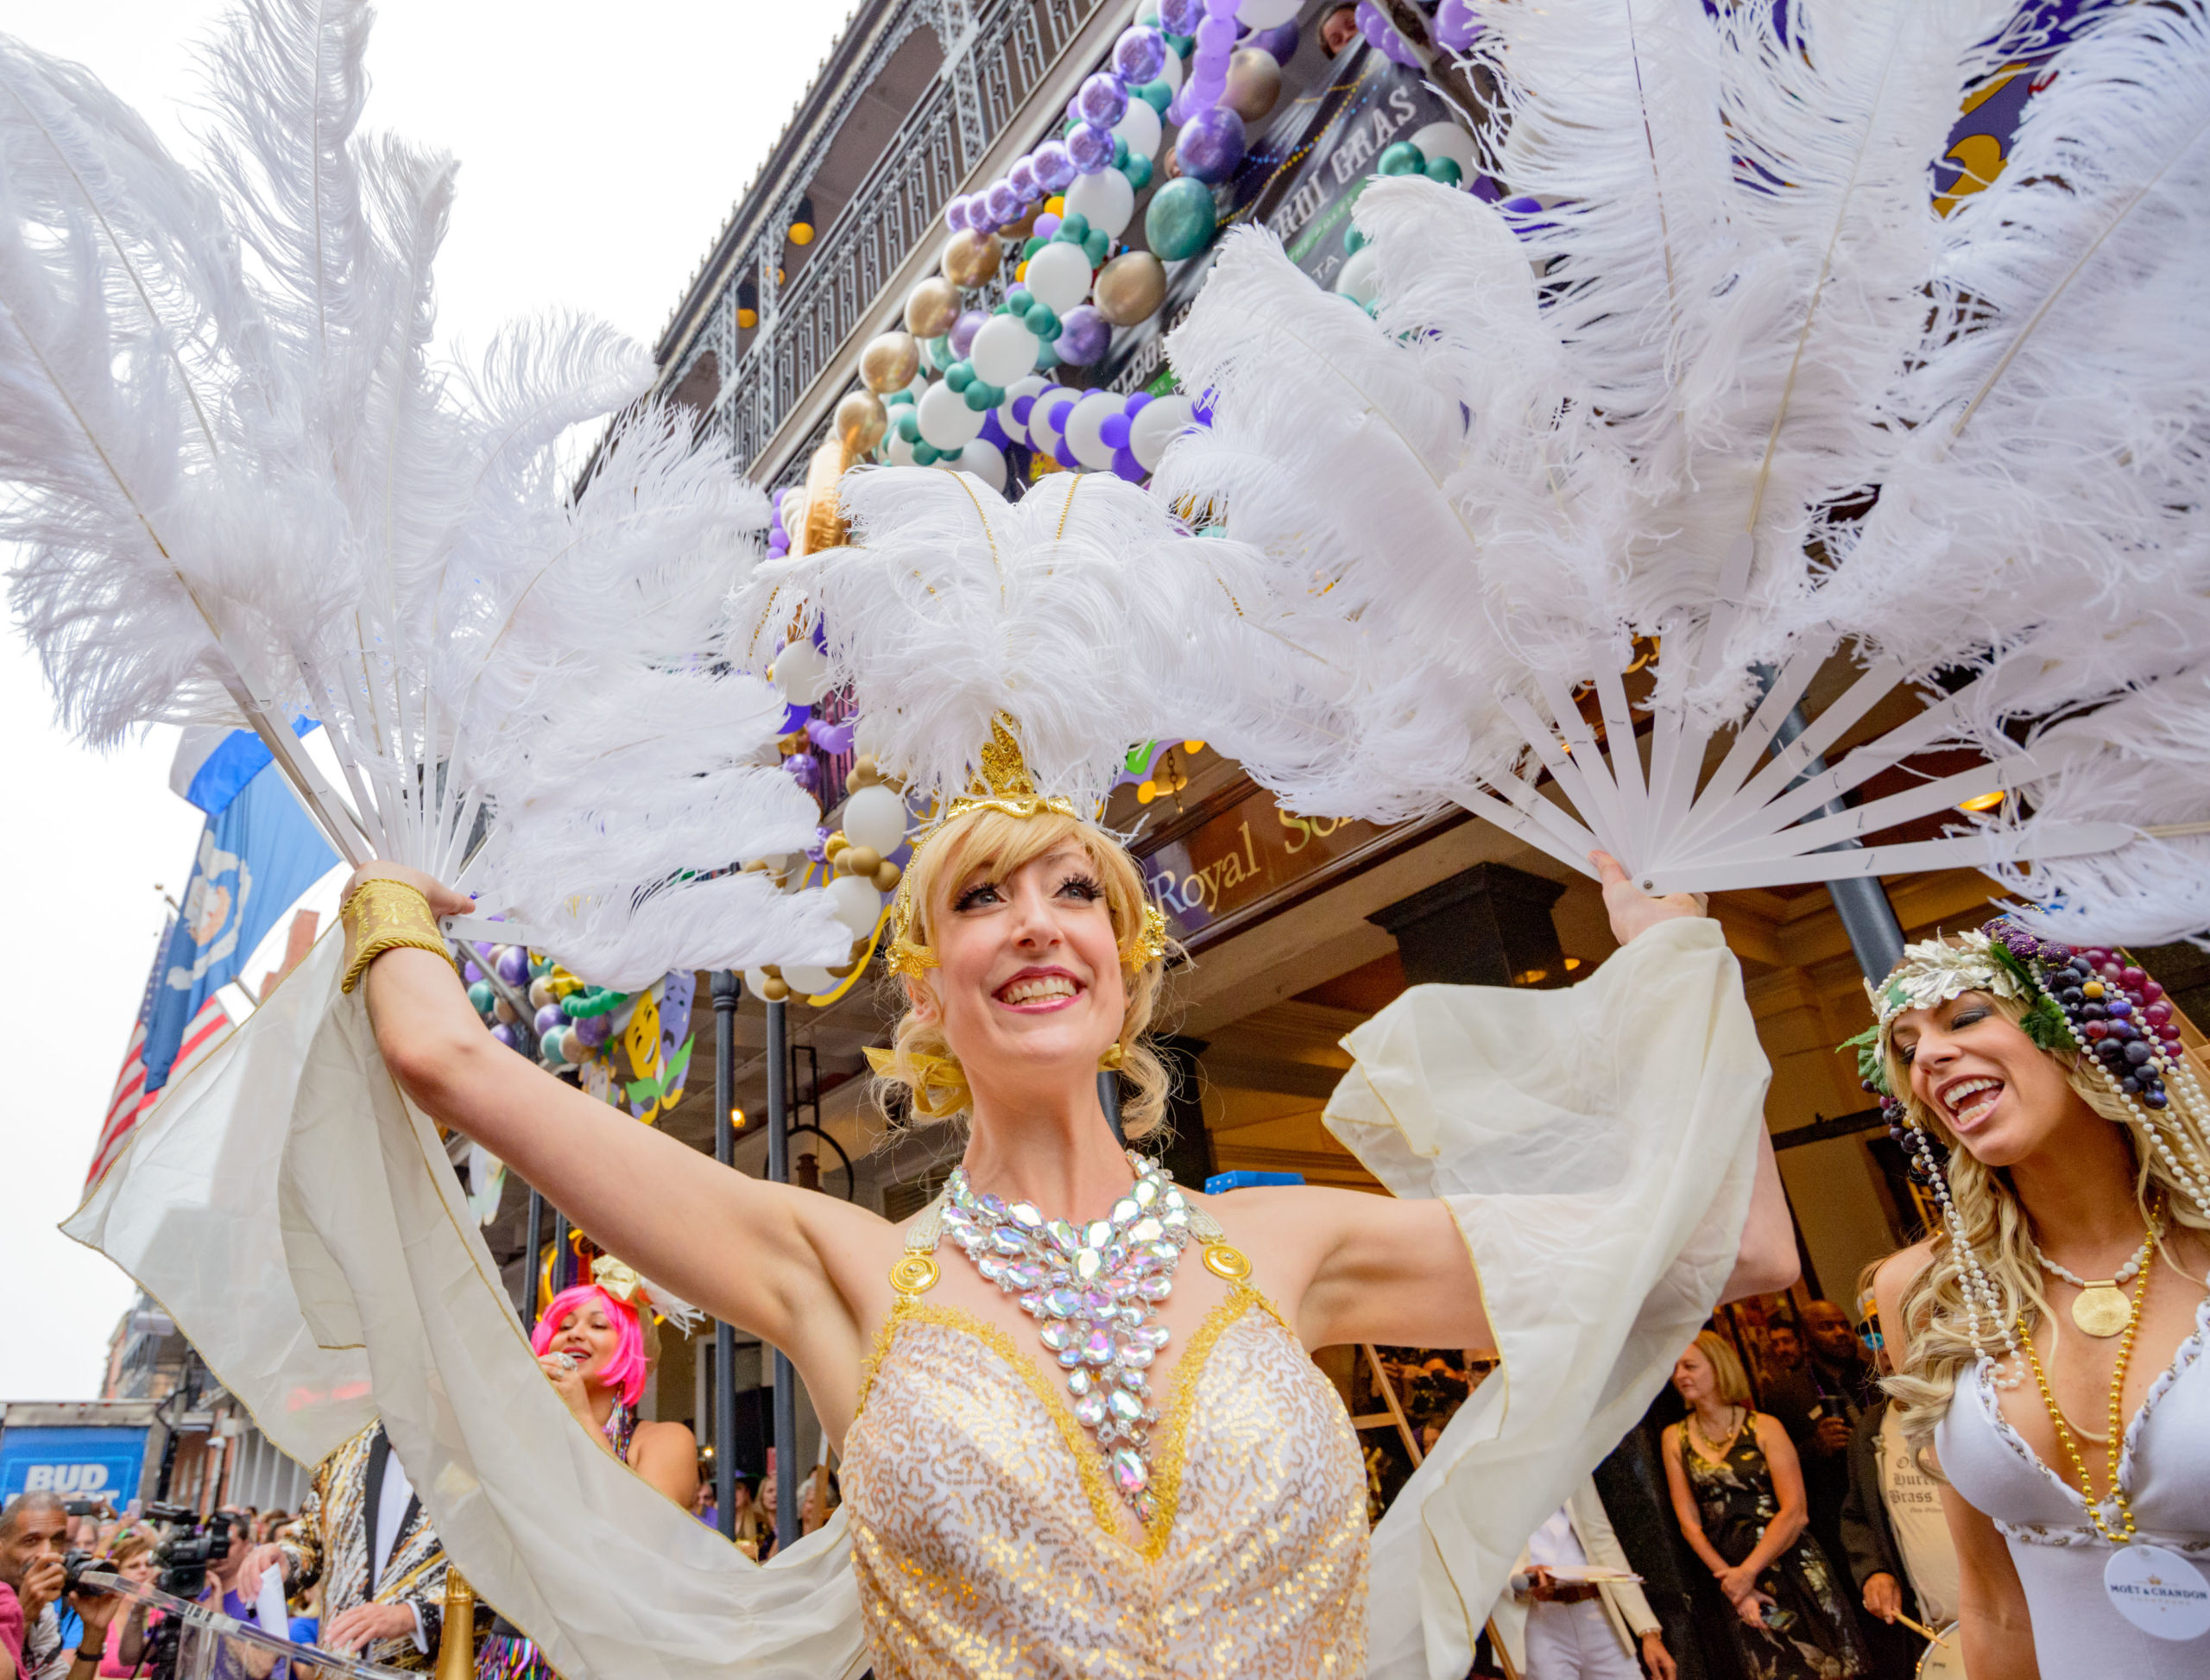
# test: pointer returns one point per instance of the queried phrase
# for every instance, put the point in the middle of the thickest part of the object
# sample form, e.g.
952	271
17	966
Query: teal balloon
1181	44
1446	170
1097	245
1074	227
1043	323
940	351
1119	150
926	454
540	968
1157	95
909	426
1353	241
1139	171
981	397
1180	220
896	398
1402	159
1032	245
959	375
1047	358
482	996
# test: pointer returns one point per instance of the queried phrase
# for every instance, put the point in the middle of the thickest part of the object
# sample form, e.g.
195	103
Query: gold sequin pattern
982	1548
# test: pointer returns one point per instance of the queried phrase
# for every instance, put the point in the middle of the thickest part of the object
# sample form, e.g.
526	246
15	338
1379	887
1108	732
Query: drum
1945	1657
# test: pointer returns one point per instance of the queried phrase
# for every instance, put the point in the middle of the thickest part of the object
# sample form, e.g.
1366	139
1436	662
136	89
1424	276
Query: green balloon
482	996
926	455
1181	44
909	426
1138	170
1044	322
1353	241
895	398
1031	245
981	397
1402	159
940	351
1073	227
1119	150
1097	245
1047	358
1180	220
1157	95
959	375
1446	170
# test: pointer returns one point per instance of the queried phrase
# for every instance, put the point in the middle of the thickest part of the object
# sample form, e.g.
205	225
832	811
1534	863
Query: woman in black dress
1739	1494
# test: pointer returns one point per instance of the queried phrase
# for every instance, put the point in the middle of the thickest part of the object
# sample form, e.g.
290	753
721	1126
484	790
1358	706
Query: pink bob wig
628	1367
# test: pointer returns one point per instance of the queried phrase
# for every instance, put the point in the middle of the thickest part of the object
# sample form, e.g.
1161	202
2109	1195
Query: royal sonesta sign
1239	858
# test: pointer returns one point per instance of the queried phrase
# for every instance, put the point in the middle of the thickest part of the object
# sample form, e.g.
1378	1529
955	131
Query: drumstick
1920	1628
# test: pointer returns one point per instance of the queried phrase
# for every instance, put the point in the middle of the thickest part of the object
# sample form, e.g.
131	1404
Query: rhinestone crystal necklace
1093	1288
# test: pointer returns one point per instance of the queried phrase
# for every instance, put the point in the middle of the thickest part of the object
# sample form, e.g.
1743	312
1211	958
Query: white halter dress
2164	1468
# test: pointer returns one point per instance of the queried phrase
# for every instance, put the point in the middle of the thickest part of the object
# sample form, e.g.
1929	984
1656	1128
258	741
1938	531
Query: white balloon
1265	14
1027	385
1174	69
1105	198
854	902
1361	279
801	671
1043	432
1148	13
806	980
1059	274
755	982
1447	140
1004	349
947	420
866	735
1156	425
875	817
984	460
1140	129
1090	414
902	452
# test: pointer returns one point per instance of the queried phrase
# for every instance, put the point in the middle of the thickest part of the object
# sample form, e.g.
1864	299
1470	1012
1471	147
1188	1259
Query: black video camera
192	1544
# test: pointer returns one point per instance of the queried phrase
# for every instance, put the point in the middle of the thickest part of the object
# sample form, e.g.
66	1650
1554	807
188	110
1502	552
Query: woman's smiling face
1028	969
2001	1097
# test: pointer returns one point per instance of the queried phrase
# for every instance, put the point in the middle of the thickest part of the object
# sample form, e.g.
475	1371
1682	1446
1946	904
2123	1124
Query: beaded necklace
1093	1289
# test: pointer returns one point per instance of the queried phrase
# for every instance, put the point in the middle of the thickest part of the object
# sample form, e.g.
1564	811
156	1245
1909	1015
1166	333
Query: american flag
131	1103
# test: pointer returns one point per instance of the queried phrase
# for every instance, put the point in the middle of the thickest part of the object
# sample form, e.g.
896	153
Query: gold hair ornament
382	914
939	1084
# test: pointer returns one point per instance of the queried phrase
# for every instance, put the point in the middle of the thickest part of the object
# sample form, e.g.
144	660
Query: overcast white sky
600	149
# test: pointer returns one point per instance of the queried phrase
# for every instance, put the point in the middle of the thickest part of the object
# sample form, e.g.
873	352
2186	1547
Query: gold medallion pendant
2101	1309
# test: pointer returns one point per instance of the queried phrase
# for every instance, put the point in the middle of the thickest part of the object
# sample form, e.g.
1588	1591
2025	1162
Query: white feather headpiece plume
1688	392
247	493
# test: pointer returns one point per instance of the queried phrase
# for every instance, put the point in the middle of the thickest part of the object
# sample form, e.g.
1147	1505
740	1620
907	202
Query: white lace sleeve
1598	1147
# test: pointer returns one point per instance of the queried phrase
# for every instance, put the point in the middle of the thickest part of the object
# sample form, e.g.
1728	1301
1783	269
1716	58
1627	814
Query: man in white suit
1555	1625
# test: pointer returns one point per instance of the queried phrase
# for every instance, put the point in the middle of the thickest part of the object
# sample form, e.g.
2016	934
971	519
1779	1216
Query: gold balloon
860	421
969	258
821	523
1254	83
932	307
1130	288
889	362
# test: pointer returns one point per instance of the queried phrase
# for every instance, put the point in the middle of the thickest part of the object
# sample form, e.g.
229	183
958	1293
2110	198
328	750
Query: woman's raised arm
747	1251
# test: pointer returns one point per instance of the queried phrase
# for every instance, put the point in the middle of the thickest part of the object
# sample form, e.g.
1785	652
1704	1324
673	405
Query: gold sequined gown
986	1540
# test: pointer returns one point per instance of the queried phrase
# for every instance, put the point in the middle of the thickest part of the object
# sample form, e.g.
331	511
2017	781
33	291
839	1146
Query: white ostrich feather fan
1881	495
247	492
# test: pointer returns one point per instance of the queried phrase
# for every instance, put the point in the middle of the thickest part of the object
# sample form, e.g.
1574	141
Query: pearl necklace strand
2124	1275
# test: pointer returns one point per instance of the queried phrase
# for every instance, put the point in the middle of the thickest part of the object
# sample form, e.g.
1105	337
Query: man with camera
35	1572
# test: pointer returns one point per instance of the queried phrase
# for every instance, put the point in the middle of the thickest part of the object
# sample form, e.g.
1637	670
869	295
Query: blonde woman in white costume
1067	1448
2049	1336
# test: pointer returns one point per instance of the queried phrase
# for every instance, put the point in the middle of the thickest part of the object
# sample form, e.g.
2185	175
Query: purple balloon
550	1016
993	434
1083	334
507	1036
1021	407
1139	54
1281	40
1216	36
1114	433
964	329
1456	25
1226	9
1053	166
1102	100
956	214
595	1030
1210	145
1127	466
512	966
1179	17
1047	224
1136	403
1091	148
1006	205
804	769
471	975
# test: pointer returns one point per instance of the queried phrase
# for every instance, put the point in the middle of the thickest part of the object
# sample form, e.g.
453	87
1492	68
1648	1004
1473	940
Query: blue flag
257	855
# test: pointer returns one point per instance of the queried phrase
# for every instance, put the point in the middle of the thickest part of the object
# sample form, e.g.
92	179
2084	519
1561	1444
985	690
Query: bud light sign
80	1463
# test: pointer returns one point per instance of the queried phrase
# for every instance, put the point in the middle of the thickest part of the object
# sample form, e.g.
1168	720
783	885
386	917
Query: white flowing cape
299	1219
1598	1146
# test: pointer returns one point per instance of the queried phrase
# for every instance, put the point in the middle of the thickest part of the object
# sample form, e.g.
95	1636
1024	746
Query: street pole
779	1169
727	989
533	1248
